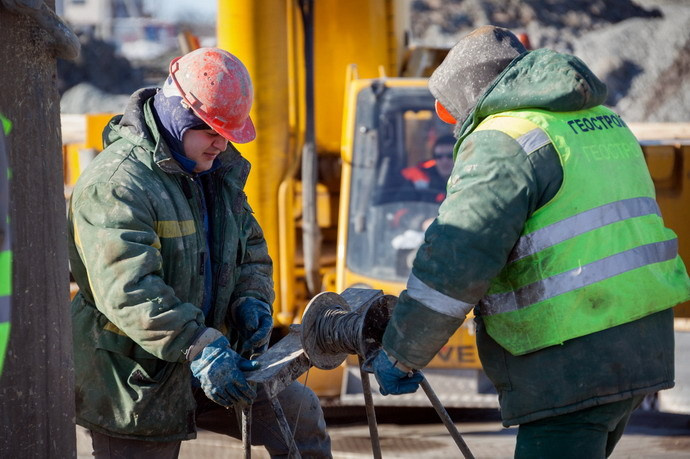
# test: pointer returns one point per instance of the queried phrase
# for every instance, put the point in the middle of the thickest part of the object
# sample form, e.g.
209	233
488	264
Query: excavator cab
389	210
390	127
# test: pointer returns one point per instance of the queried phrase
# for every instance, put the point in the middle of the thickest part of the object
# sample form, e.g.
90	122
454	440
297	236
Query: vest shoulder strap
525	132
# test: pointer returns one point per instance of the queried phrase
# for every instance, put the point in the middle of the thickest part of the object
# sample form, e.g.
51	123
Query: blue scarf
174	119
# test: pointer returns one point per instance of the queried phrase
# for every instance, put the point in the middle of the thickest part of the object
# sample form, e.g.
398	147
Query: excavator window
396	129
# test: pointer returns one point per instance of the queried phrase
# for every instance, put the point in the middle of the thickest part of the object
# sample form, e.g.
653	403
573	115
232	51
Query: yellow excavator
341	107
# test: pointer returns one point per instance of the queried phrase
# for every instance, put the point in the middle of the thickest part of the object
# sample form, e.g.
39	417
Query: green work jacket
498	182
595	256
137	252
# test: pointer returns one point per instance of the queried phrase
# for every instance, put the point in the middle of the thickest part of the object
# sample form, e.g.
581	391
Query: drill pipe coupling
335	326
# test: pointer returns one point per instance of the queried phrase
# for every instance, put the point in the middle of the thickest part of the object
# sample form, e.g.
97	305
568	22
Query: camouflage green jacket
137	252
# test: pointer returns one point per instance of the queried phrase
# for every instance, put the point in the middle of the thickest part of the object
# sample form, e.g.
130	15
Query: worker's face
443	154
203	146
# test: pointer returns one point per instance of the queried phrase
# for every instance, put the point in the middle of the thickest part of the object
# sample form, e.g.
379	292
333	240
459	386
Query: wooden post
37	384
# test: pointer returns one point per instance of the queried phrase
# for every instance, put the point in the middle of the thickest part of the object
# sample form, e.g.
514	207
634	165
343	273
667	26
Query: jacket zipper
198	215
219	205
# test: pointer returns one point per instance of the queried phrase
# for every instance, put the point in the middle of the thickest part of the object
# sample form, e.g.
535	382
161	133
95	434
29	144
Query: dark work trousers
591	433
302	412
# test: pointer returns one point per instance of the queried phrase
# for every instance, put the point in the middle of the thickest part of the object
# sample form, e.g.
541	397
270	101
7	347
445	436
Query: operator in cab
552	234
429	178
424	182
175	280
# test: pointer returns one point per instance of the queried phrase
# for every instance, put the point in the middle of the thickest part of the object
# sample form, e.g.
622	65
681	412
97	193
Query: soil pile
101	80
640	49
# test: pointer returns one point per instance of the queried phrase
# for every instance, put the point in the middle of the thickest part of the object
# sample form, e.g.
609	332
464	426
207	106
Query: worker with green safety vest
5	241
551	233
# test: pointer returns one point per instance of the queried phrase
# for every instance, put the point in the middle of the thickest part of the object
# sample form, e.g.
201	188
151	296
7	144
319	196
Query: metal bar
285	429
447	421
247	431
281	364
371	414
311	232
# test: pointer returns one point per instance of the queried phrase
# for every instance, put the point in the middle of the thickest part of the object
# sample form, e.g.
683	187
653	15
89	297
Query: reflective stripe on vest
579	277
5	243
597	255
4	309
567	228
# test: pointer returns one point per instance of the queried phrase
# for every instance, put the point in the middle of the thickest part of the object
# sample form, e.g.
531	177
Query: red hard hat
217	87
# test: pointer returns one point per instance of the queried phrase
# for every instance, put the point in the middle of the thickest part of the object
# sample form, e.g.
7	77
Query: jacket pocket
136	366
151	397
122	389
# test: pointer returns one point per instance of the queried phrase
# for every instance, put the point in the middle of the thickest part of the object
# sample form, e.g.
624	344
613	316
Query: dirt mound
99	65
574	16
101	80
640	49
645	64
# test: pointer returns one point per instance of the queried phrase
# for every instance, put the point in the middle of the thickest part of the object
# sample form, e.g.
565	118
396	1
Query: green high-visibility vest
598	254
5	243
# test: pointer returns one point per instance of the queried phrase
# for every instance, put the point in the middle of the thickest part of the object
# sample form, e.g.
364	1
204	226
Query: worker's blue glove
391	379
219	371
254	320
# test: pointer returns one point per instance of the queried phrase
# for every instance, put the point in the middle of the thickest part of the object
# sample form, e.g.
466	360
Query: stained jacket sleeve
115	237
255	265
492	190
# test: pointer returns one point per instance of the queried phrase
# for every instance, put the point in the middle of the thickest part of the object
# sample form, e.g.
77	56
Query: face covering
174	119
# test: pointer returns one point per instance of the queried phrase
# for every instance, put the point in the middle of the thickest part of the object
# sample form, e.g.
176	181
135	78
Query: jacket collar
138	126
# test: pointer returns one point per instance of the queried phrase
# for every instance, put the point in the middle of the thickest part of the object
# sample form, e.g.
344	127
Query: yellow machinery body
268	38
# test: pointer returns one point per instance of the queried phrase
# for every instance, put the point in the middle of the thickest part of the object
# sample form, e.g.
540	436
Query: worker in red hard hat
175	281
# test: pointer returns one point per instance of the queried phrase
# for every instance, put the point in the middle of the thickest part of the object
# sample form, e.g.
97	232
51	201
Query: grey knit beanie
470	67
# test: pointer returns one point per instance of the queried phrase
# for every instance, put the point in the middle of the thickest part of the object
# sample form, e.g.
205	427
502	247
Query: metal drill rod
447	421
371	414
247	431
293	452
294	354
324	340
247	419
335	326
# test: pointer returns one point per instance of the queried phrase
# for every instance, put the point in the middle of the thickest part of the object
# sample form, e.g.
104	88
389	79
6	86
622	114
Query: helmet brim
244	134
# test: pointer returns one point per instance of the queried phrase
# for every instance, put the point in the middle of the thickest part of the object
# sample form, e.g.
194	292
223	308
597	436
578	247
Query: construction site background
640	49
